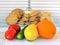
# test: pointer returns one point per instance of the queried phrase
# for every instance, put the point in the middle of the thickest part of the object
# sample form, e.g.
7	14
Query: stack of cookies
14	16
34	17
18	16
24	20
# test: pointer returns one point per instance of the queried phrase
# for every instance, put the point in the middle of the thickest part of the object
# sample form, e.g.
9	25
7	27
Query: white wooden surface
39	41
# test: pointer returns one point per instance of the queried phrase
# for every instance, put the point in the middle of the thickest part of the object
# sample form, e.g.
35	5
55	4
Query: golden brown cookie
45	15
23	21
11	20
38	18
18	12
26	15
33	22
35	12
33	18
14	16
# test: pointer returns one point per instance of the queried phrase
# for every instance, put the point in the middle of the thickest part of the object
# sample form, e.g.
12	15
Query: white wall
52	6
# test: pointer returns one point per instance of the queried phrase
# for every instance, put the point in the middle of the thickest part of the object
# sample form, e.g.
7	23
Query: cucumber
20	34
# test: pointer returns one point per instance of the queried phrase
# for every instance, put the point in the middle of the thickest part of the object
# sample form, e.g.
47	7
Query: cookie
18	12
23	21
11	20
35	13
33	22
38	18
32	18
26	15
14	16
45	15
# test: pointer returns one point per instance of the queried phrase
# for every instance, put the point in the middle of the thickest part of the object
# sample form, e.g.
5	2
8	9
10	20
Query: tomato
15	26
10	34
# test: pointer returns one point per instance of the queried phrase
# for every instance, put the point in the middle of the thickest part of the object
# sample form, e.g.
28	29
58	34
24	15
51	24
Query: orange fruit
46	29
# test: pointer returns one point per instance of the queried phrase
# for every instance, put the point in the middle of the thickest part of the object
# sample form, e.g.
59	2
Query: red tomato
15	26
10	34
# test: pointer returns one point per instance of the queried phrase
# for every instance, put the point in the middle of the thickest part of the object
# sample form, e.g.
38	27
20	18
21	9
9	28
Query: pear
31	32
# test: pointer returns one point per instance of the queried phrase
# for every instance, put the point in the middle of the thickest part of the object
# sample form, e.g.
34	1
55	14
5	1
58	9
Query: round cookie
35	12
23	21
45	15
18	12
33	18
11	20
31	22
14	16
26	15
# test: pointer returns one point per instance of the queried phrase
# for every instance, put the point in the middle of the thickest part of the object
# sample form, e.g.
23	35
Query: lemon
31	32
